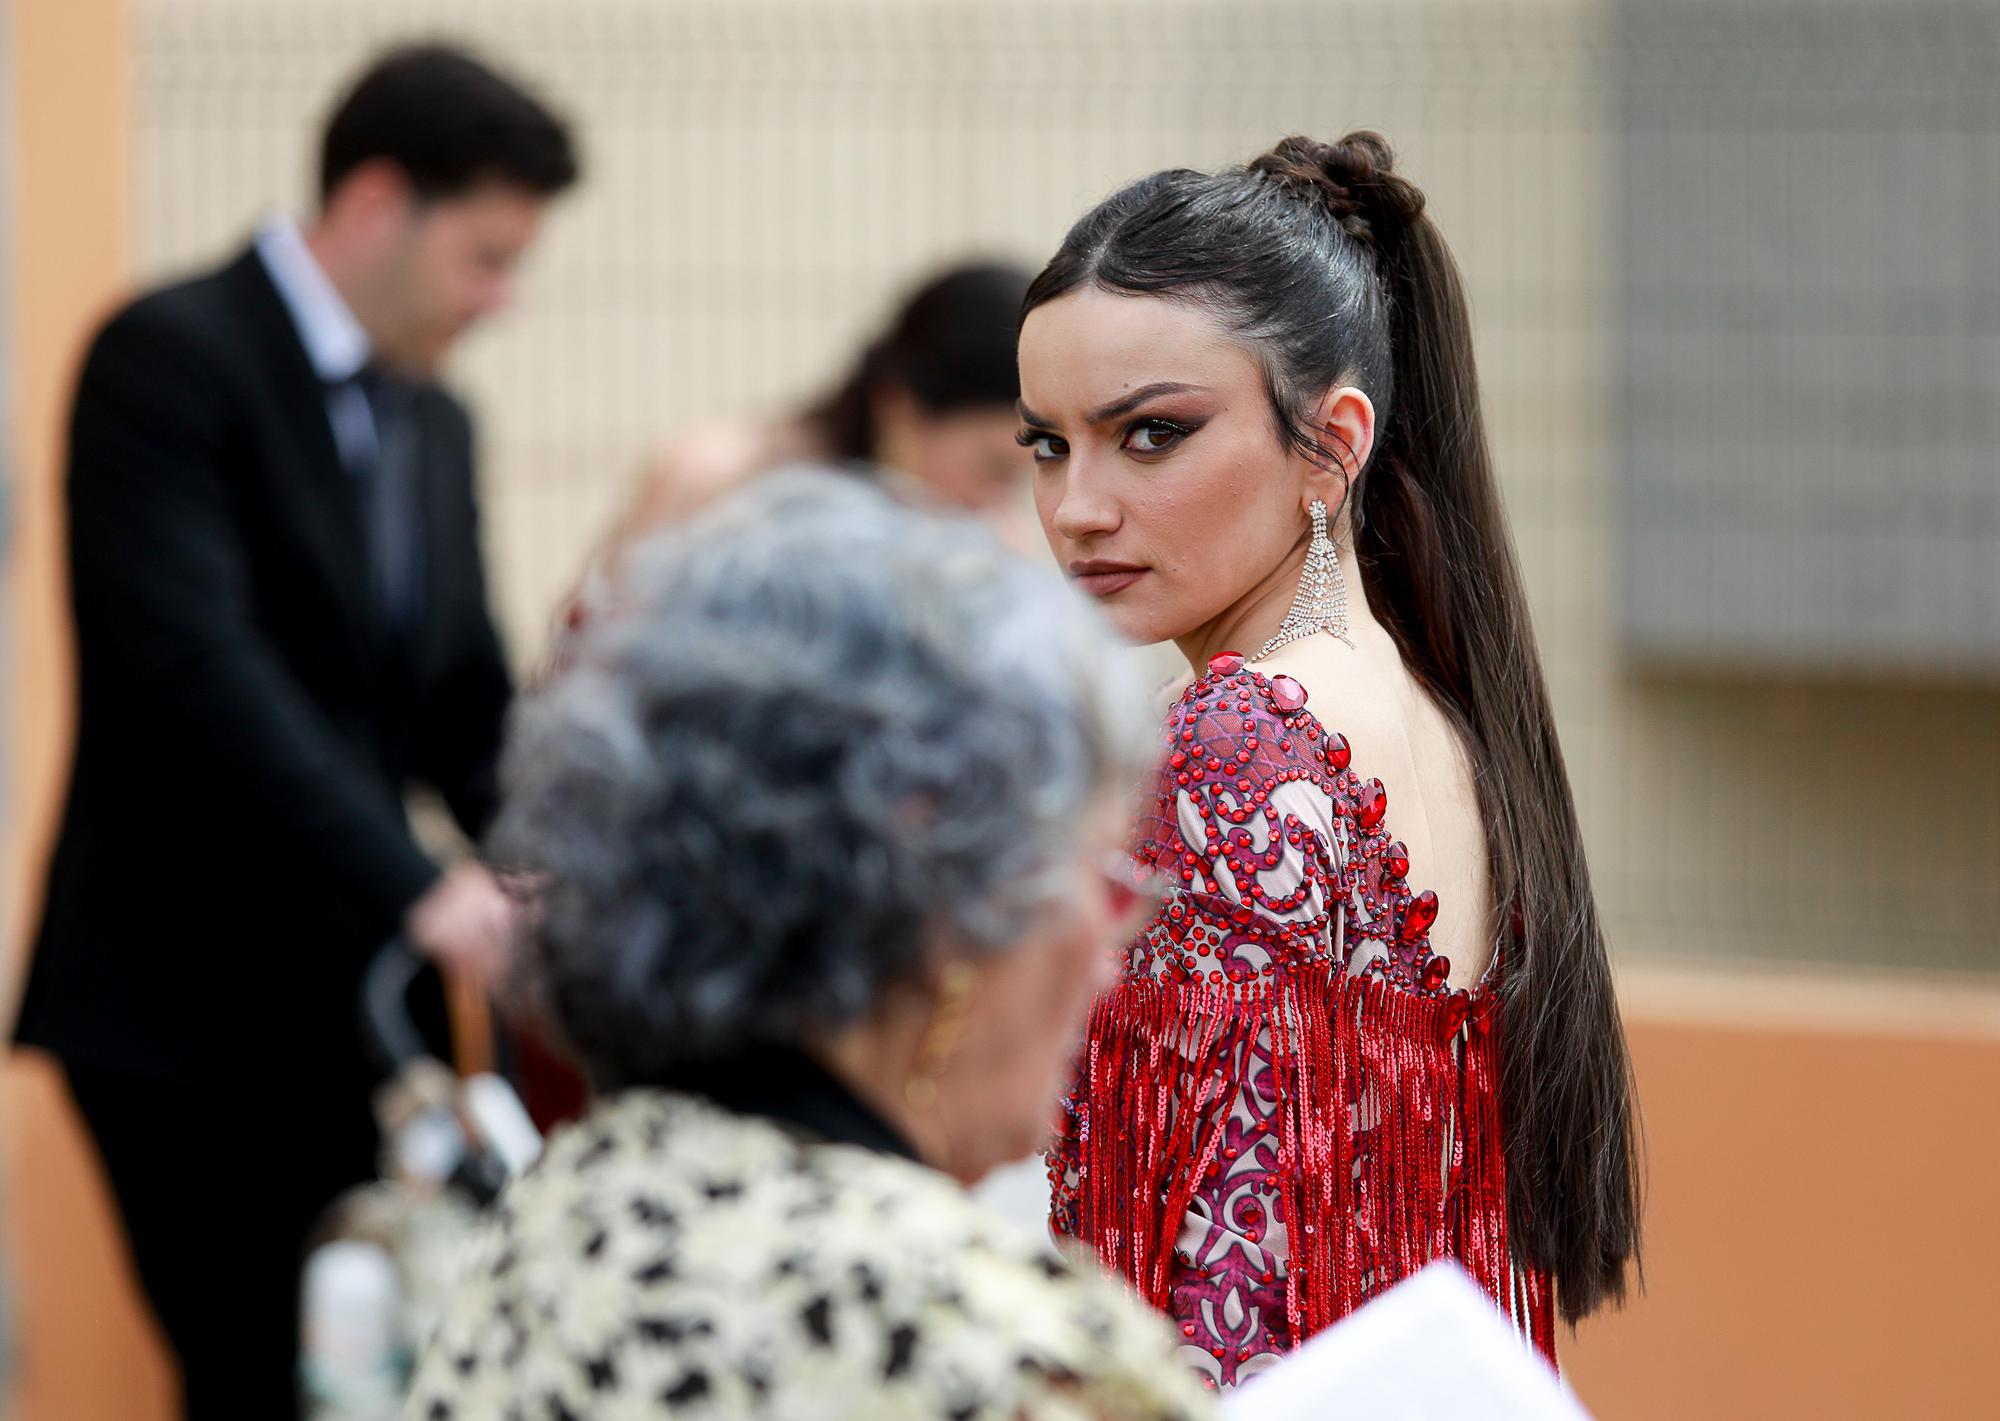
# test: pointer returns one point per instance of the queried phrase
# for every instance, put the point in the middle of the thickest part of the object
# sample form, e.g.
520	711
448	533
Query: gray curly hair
820	730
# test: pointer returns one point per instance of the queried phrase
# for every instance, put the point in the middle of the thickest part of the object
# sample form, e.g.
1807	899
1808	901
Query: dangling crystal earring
1321	605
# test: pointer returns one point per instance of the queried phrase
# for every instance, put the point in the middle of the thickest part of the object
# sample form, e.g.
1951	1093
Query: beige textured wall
765	174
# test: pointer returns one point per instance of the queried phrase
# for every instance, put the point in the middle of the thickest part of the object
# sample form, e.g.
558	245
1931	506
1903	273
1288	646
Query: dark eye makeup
1148	437
1155	435
1046	446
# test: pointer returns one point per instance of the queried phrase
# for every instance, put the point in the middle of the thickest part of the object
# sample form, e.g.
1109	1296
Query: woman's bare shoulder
696	467
1356	690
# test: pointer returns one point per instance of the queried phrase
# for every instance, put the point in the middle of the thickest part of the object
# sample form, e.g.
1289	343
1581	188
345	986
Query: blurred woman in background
927	411
928	405
825	828
1248	392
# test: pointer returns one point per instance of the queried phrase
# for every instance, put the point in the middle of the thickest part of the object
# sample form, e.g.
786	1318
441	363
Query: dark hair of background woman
951	346
1271	248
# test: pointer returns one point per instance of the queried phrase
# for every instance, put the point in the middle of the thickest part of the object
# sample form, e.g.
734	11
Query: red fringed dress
1282	1110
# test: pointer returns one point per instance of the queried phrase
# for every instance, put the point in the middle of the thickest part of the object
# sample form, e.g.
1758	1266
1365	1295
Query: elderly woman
825	827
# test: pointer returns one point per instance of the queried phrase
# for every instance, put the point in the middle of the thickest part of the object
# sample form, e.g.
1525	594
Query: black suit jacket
234	844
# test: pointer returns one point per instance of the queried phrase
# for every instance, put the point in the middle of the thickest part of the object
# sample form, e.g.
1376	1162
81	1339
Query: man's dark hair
450	123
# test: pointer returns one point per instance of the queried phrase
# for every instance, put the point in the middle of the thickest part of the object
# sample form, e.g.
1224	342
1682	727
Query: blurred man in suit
282	622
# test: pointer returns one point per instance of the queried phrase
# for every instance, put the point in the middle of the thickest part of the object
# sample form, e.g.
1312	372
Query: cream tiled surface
764	175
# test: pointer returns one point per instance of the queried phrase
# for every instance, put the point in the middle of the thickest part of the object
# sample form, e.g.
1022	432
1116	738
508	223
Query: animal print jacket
668	1257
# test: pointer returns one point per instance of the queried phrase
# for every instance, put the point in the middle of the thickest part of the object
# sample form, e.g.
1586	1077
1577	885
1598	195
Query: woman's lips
1105	579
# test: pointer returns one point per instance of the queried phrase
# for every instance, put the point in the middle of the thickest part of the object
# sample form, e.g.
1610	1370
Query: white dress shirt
335	343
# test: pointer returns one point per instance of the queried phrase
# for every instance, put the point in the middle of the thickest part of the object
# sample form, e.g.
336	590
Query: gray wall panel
1806	224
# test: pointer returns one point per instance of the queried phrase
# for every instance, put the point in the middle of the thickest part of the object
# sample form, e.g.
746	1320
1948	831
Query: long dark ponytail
1311	229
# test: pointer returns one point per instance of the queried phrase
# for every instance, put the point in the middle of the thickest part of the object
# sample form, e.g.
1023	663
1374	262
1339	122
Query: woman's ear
1344	424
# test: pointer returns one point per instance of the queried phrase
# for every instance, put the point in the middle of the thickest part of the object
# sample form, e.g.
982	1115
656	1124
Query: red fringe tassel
1388	1121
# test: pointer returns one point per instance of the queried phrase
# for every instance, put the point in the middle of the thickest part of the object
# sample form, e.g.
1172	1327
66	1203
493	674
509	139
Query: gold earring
940	1043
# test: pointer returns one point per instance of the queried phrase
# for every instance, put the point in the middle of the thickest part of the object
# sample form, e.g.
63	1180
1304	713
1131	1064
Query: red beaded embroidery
1283	1109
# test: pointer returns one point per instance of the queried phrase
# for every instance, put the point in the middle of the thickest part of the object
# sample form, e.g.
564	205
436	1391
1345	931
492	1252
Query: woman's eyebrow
1125	404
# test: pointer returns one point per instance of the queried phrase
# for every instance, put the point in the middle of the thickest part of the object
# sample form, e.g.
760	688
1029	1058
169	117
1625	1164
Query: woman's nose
1085	510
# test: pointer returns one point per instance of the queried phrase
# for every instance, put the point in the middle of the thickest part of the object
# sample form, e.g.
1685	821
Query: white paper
1433	1348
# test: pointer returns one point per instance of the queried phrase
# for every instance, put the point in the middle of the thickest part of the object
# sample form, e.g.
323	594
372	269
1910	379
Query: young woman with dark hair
928	404
1358	1037
927	408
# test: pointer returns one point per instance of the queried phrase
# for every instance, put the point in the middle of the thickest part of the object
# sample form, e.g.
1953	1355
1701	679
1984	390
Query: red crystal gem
1418	917
1374	804
1178	759
1435	971
1396	859
1227	663
1454	1016
1337	753
1287	695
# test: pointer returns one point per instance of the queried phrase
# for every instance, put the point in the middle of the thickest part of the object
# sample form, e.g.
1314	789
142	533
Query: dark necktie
379	453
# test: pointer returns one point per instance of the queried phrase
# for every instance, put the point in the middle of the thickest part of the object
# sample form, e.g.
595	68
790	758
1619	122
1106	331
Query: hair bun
1354	180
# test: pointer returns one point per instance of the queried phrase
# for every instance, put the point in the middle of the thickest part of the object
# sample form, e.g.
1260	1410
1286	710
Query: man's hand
466	924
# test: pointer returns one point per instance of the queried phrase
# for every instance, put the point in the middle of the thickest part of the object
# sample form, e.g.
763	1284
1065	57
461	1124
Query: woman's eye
1046	447
1154	436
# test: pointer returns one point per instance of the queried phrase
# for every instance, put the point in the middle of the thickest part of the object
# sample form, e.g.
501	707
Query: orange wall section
70	128
84	1345
1823	1159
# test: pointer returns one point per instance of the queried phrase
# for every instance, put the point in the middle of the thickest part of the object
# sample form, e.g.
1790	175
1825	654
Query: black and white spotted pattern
667	1258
